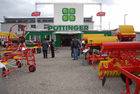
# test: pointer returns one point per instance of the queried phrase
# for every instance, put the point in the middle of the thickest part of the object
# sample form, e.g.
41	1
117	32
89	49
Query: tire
32	68
18	64
3	69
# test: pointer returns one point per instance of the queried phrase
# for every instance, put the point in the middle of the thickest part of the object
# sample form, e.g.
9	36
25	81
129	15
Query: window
33	26
31	21
49	37
46	26
45	21
34	38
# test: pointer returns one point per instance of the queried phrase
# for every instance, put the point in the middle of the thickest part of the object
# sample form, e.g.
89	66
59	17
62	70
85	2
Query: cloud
115	10
16	8
106	2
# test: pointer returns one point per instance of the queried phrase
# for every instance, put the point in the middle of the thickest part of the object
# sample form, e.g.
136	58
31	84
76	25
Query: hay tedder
120	59
16	53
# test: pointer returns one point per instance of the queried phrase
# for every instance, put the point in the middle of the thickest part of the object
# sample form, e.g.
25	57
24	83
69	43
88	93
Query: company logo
68	14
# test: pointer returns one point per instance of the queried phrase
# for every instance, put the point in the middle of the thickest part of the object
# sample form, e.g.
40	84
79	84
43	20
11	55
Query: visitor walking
45	45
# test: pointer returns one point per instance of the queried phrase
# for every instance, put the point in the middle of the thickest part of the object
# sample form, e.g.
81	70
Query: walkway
61	75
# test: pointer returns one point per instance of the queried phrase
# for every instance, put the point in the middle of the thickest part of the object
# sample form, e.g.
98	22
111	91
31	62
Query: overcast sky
115	10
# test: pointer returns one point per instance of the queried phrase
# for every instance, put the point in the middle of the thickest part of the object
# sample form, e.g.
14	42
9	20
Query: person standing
3	43
75	46
45	45
52	48
72	49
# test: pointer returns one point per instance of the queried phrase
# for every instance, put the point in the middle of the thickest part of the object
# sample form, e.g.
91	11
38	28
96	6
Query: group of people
46	45
75	48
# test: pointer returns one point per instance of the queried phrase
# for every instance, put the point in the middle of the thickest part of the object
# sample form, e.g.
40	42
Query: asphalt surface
61	75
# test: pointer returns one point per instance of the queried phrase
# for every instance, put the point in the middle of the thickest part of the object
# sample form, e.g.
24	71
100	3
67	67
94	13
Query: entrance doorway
66	40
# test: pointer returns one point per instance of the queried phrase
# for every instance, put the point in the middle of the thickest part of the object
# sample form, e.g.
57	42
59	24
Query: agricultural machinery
126	33
116	57
35	45
94	44
16	53
120	59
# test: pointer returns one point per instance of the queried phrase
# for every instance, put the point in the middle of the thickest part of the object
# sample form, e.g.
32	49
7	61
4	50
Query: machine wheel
18	64
123	77
32	68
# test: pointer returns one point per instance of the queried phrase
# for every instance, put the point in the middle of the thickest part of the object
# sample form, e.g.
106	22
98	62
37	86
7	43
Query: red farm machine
120	59
115	55
15	53
93	44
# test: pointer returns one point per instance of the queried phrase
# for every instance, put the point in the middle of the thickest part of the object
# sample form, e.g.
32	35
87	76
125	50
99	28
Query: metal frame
119	52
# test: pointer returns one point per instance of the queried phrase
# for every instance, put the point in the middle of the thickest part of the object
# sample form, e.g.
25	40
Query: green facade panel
79	36
58	36
42	34
58	41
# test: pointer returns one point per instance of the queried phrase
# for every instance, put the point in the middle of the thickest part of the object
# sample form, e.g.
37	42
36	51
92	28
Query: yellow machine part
7	34
5	63
98	40
86	36
108	73
17	57
5	52
36	47
126	30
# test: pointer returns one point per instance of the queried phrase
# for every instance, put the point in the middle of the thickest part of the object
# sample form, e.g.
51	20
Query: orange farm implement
16	52
121	59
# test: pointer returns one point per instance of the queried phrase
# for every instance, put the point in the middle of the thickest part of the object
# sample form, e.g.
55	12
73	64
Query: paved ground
61	75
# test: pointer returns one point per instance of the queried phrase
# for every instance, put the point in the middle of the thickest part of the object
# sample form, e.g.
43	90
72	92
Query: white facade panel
5	27
90	25
58	14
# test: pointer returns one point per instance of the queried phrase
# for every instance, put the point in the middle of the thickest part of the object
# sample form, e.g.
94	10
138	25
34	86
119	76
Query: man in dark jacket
75	46
52	48
45	45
